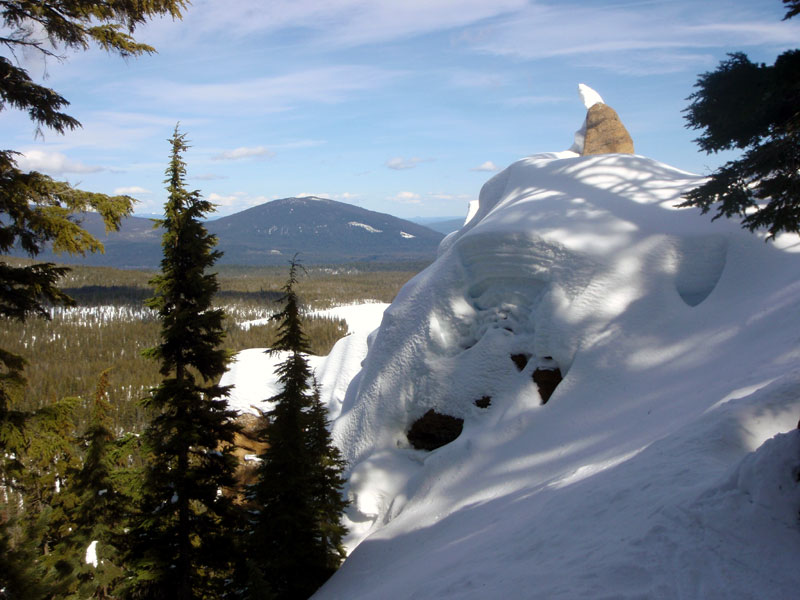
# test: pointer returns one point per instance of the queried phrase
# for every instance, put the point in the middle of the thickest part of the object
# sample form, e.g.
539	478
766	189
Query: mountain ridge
320	230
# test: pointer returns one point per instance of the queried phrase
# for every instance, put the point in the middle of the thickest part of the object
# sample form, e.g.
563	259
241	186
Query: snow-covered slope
651	472
666	463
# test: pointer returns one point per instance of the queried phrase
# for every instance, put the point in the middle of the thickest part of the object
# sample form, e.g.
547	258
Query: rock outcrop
246	448
602	131
434	430
605	133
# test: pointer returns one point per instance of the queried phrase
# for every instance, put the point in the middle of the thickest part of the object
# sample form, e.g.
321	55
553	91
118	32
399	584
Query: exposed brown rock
547	381
520	360
246	443
605	133
483	402
433	430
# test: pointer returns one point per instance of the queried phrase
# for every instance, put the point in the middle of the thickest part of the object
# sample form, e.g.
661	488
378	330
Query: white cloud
487	166
408	198
235	202
341	23
324	85
133	190
220	200
666	35
244	152
348	197
53	163
399	163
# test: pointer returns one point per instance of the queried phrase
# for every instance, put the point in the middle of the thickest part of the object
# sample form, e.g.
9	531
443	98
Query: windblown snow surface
666	463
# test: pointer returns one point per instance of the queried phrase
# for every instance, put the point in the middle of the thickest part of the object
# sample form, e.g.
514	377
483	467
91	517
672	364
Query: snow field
678	341
665	465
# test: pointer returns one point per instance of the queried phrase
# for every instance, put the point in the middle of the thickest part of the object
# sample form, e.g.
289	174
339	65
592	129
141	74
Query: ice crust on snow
665	465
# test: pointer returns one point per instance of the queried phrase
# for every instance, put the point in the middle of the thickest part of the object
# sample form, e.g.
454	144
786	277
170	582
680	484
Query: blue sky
405	107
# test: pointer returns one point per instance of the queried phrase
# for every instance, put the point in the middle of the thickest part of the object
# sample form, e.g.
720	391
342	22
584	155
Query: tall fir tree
181	544
327	470
296	531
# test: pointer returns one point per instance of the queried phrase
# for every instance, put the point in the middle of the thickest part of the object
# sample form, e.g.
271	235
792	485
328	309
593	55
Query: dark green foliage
296	530
18	576
181	544
754	108
36	210
95	510
36	509
327	470
793	7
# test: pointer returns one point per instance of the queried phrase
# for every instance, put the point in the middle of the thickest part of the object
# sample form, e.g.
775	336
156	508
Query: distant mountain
322	231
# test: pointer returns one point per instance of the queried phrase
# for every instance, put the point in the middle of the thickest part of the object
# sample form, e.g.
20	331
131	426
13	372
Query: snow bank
652	472
252	373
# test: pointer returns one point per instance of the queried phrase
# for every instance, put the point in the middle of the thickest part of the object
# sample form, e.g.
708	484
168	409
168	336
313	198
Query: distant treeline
110	327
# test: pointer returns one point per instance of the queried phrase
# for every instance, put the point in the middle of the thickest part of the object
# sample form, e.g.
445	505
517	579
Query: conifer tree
35	209
180	546
327	470
85	563
37	504
297	531
753	108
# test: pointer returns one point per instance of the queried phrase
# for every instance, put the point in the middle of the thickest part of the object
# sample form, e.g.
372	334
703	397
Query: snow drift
651	472
666	463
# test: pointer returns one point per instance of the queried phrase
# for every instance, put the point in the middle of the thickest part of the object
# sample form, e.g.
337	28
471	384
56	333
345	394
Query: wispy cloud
53	163
324	85
340	196
244	152
133	190
487	166
407	198
667	35
229	203
399	163
344	23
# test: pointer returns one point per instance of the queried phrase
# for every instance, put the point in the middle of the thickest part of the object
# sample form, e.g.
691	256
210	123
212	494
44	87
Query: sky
399	107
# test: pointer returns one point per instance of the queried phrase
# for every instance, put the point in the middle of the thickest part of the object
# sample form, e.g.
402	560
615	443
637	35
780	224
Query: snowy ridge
678	341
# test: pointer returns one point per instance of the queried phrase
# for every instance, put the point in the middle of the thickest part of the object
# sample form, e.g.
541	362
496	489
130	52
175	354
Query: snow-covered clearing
252	373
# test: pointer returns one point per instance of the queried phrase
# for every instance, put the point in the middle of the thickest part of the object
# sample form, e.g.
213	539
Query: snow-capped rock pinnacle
602	131
589	96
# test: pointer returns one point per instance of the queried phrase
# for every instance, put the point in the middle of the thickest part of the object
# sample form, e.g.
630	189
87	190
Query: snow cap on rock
589	96
602	131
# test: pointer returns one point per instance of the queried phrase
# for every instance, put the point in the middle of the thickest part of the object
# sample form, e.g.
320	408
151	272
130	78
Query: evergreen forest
118	416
